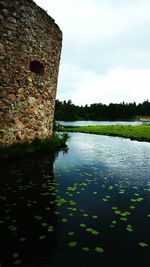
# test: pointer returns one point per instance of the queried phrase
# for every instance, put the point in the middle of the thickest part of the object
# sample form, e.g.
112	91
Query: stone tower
30	54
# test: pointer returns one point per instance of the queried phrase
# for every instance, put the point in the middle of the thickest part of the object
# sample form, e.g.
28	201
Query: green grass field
140	133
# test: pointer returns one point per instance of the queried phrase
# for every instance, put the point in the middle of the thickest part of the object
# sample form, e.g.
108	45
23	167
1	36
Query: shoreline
137	133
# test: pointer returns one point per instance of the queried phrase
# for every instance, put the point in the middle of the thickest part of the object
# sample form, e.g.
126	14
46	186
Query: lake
89	208
93	123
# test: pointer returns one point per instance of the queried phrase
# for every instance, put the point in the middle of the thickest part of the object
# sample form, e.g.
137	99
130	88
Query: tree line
67	111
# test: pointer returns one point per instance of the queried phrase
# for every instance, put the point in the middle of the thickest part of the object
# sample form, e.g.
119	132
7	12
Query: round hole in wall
37	67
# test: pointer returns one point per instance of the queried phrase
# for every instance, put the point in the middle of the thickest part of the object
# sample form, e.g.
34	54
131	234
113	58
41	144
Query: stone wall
30	54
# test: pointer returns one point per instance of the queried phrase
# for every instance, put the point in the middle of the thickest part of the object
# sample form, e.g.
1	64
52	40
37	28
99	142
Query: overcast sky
106	49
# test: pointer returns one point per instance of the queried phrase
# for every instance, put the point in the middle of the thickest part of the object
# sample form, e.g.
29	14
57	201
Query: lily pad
44	224
132	207
64	220
22	239
56	212
85	214
117	212
114	208
72	244
42	237
17	262
12	228
143	245
15	255
94	216
70	233
37	217
92	231
105	199
123	219
129	228
83	225
99	249
50	228
114	222
86	249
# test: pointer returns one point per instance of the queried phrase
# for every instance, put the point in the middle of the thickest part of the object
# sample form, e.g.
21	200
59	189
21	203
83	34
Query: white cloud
116	86
105	55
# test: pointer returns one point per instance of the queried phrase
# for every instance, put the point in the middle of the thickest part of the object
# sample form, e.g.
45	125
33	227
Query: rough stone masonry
30	49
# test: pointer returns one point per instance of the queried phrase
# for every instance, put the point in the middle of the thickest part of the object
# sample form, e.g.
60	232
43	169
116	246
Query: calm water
91	208
92	123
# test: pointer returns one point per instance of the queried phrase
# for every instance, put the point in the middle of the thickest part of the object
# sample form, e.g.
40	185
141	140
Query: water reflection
111	183
27	196
117	154
89	208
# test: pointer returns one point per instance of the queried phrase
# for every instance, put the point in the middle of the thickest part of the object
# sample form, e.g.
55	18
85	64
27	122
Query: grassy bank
37	147
140	133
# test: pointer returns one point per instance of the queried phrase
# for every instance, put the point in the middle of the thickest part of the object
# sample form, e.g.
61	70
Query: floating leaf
72	203
132	207
126	213
112	225
42	237
64	220
72	244
105	199
86	249
110	187
117	211
44	224
12	228
129	228
37	217
133	199
95	232
17	262
83	225
15	255
142	244
44	194
7	211
139	199
92	231
74	209
50	228
123	219
121	191
85	214
70	233
99	250
94	216
56	212
22	239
